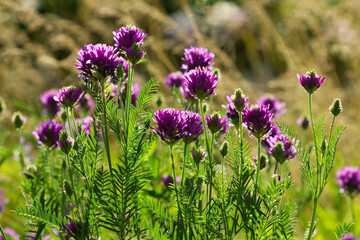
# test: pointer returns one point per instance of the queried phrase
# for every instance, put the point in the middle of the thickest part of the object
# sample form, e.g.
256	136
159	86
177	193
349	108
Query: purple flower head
171	124
86	104
198	155
129	40
48	133
193	128
87	123
304	122
231	112
277	107
310	81
174	79
10	232
51	107
97	62
281	148
200	83
215	122
2	202
240	102
197	57
350	236
65	143
348	179
257	119
70	96
77	229
168	179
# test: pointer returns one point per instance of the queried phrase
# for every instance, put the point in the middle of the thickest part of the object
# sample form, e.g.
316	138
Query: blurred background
259	45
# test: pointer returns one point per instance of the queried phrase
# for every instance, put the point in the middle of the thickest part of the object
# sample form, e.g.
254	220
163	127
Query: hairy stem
72	179
105	130
177	193
256	185
184	164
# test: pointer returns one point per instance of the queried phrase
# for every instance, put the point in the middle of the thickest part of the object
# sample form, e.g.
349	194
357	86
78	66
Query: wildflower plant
93	178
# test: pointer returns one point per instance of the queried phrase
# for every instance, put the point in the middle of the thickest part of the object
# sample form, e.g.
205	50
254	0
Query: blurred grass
260	46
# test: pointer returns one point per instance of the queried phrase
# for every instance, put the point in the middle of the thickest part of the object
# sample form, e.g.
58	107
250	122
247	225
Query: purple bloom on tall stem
348	179
200	83
310	81
277	107
281	148
194	127
171	125
86	104
257	119
48	133
168	179
215	122
51	107
2	202
97	62
129	40
11	233
174	79
69	97
197	57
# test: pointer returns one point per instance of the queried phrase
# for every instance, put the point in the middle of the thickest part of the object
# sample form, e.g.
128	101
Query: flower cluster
174	125
197	57
310	81
348	179
69	97
200	83
304	122
231	112
168	179
129	40
87	123
48	133
257	119
215	123
97	62
281	148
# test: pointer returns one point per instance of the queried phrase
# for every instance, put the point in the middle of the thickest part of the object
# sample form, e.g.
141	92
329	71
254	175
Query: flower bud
217	73
215	122
240	101
263	161
278	152
65	143
336	107
323	146
67	188
224	149
198	155
18	119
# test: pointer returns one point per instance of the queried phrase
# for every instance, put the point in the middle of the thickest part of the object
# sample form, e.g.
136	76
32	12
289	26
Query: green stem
105	131
73	121
22	160
176	191
184	165
240	130
3	233
353	210
68	111
316	147
51	164
311	230
72	179
257	169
